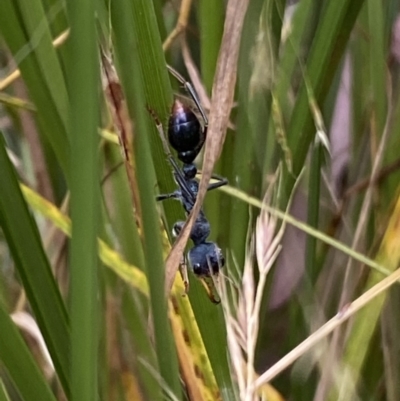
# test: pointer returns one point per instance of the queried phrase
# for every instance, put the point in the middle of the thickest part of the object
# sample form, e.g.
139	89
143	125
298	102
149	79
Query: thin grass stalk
39	284
313	211
332	34
130	58
83	80
327	328
308	230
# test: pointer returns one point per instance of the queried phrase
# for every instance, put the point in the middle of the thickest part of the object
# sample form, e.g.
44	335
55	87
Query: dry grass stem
342	316
287	218
122	123
195	79
194	75
221	104
243	320
364	215
181	24
9	79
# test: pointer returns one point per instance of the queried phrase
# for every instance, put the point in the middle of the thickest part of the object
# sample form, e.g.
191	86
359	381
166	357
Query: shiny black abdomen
185	133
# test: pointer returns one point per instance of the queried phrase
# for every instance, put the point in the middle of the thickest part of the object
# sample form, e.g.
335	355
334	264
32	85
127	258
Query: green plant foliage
308	224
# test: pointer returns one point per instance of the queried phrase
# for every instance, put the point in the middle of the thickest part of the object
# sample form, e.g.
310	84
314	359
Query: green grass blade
211	21
331	37
157	92
366	321
40	71
143	345
20	365
131	58
30	259
121	213
35	23
83	80
313	210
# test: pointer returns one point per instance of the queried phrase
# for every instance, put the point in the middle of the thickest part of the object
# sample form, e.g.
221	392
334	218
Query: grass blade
20	364
24	241
133	86
83	80
30	43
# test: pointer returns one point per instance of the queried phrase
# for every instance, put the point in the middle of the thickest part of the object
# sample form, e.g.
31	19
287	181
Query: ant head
185	133
206	259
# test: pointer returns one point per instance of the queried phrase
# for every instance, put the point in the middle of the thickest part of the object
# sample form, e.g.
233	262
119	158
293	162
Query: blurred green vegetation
314	132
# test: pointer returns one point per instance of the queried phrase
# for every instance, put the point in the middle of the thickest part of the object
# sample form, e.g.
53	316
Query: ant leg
211	289
189	88
184	273
161	133
172	195
221	182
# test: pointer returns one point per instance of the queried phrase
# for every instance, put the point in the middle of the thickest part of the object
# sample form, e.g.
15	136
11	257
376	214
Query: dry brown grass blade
122	123
181	25
221	104
341	317
196	80
194	75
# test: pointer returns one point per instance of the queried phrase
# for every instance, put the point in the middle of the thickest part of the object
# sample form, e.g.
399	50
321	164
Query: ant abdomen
185	133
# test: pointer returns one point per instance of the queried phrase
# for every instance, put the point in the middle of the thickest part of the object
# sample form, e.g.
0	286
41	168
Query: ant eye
197	269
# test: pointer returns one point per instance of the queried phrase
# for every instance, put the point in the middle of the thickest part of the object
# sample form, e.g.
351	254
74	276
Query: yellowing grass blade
367	319
193	358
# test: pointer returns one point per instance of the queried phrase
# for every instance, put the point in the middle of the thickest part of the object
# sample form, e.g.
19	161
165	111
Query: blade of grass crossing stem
137	326
42	91
366	321
157	88
244	144
35	22
135	279
129	273
378	63
83	80
127	49
288	61
313	210
122	217
19	363
25	244
157	91
211	21
328	46
222	96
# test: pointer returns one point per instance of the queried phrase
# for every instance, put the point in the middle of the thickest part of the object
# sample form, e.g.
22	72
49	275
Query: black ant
187	137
